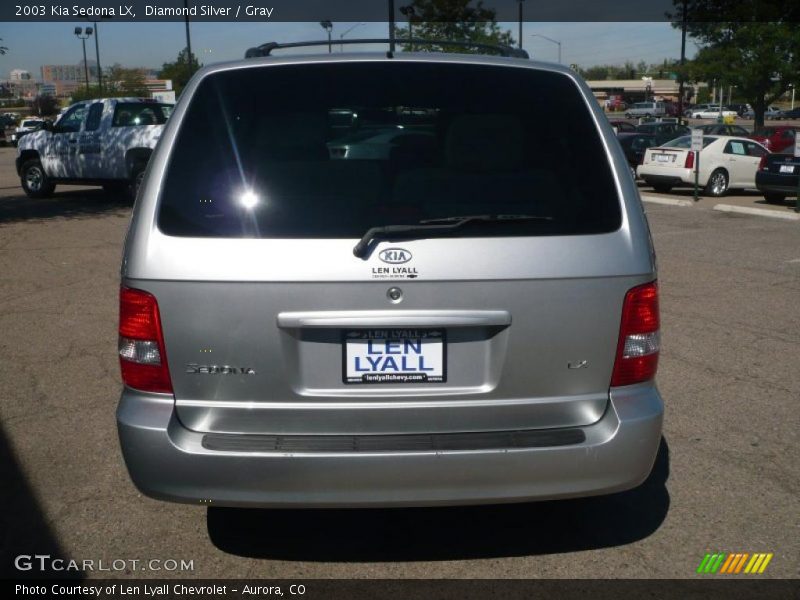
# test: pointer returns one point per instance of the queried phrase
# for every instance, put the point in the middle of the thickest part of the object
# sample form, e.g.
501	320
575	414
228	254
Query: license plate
787	169
664	158
394	356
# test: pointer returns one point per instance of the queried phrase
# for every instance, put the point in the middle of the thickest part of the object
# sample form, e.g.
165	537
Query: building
19	75
636	90
56	73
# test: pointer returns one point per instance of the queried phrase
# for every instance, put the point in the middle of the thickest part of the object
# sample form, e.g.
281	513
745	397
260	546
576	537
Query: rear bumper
675	178
169	462
776	183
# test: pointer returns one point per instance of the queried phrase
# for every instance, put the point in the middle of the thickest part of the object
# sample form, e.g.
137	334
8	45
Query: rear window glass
131	114
329	151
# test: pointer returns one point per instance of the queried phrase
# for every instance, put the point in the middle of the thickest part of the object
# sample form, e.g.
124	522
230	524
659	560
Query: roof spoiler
503	50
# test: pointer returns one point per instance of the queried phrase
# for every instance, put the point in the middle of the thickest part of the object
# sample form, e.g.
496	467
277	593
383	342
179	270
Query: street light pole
327	26
544	37
520	26
341	36
391	26
83	36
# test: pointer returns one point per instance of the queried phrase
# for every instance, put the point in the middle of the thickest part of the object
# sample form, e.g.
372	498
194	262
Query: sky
146	44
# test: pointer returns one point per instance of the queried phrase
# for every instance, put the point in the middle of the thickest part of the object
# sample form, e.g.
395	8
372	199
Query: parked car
776	137
777	176
97	142
622	126
646	109
712	112
725	163
771	113
373	335
790	114
25	127
634	146
740	109
381	143
663	132
723	129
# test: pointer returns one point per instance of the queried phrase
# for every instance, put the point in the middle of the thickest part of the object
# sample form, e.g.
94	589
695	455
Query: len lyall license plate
394	356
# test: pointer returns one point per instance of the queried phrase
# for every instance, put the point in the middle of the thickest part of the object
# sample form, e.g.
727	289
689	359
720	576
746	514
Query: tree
453	20
126	82
44	106
180	71
757	49
3	49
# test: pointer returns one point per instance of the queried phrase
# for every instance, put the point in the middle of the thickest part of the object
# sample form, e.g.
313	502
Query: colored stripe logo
734	563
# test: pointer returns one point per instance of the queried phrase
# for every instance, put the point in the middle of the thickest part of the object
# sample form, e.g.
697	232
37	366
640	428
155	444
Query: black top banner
379	10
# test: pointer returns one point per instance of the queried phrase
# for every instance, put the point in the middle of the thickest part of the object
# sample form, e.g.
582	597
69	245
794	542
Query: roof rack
508	51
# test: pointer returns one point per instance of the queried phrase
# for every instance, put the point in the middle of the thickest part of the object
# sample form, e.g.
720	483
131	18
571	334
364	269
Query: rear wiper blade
488	218
441	224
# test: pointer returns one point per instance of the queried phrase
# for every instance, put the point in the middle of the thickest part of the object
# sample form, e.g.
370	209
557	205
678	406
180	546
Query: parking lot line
668	201
759	212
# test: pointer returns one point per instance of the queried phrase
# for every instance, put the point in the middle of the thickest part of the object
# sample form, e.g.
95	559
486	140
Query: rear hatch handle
394	318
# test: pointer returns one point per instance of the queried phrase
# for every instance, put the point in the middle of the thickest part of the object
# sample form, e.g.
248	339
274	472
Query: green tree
757	49
453	20
125	82
44	106
3	49
180	71
596	73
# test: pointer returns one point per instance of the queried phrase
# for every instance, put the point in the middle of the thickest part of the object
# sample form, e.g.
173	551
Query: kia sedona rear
376	280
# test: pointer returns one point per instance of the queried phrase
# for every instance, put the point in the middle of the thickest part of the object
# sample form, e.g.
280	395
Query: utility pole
188	36
520	26
683	60
391	26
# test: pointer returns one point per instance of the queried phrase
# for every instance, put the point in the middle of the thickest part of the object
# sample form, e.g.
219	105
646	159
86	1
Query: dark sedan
777	175
724	129
663	132
634	145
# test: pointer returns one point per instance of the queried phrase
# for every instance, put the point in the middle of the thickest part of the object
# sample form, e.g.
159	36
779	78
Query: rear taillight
141	344
689	162
639	337
762	164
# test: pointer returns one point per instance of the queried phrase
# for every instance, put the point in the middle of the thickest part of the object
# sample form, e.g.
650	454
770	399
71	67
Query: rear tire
137	175
35	182
774	198
717	184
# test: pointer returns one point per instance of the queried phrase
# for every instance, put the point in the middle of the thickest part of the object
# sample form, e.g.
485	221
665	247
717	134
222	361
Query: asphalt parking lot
727	477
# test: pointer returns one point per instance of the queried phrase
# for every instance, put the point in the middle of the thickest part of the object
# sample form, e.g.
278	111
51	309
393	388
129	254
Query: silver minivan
646	109
468	314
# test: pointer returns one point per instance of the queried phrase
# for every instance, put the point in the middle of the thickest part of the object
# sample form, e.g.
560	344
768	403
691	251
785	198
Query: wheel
717	184
633	173
137	176
34	180
774	198
662	188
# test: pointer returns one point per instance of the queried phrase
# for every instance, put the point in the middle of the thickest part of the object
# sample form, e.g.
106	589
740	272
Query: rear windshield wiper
441	224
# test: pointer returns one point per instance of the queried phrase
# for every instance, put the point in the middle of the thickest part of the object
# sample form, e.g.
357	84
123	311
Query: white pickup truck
95	142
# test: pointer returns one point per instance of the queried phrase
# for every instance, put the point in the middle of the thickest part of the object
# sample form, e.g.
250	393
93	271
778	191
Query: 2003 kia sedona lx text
379	279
